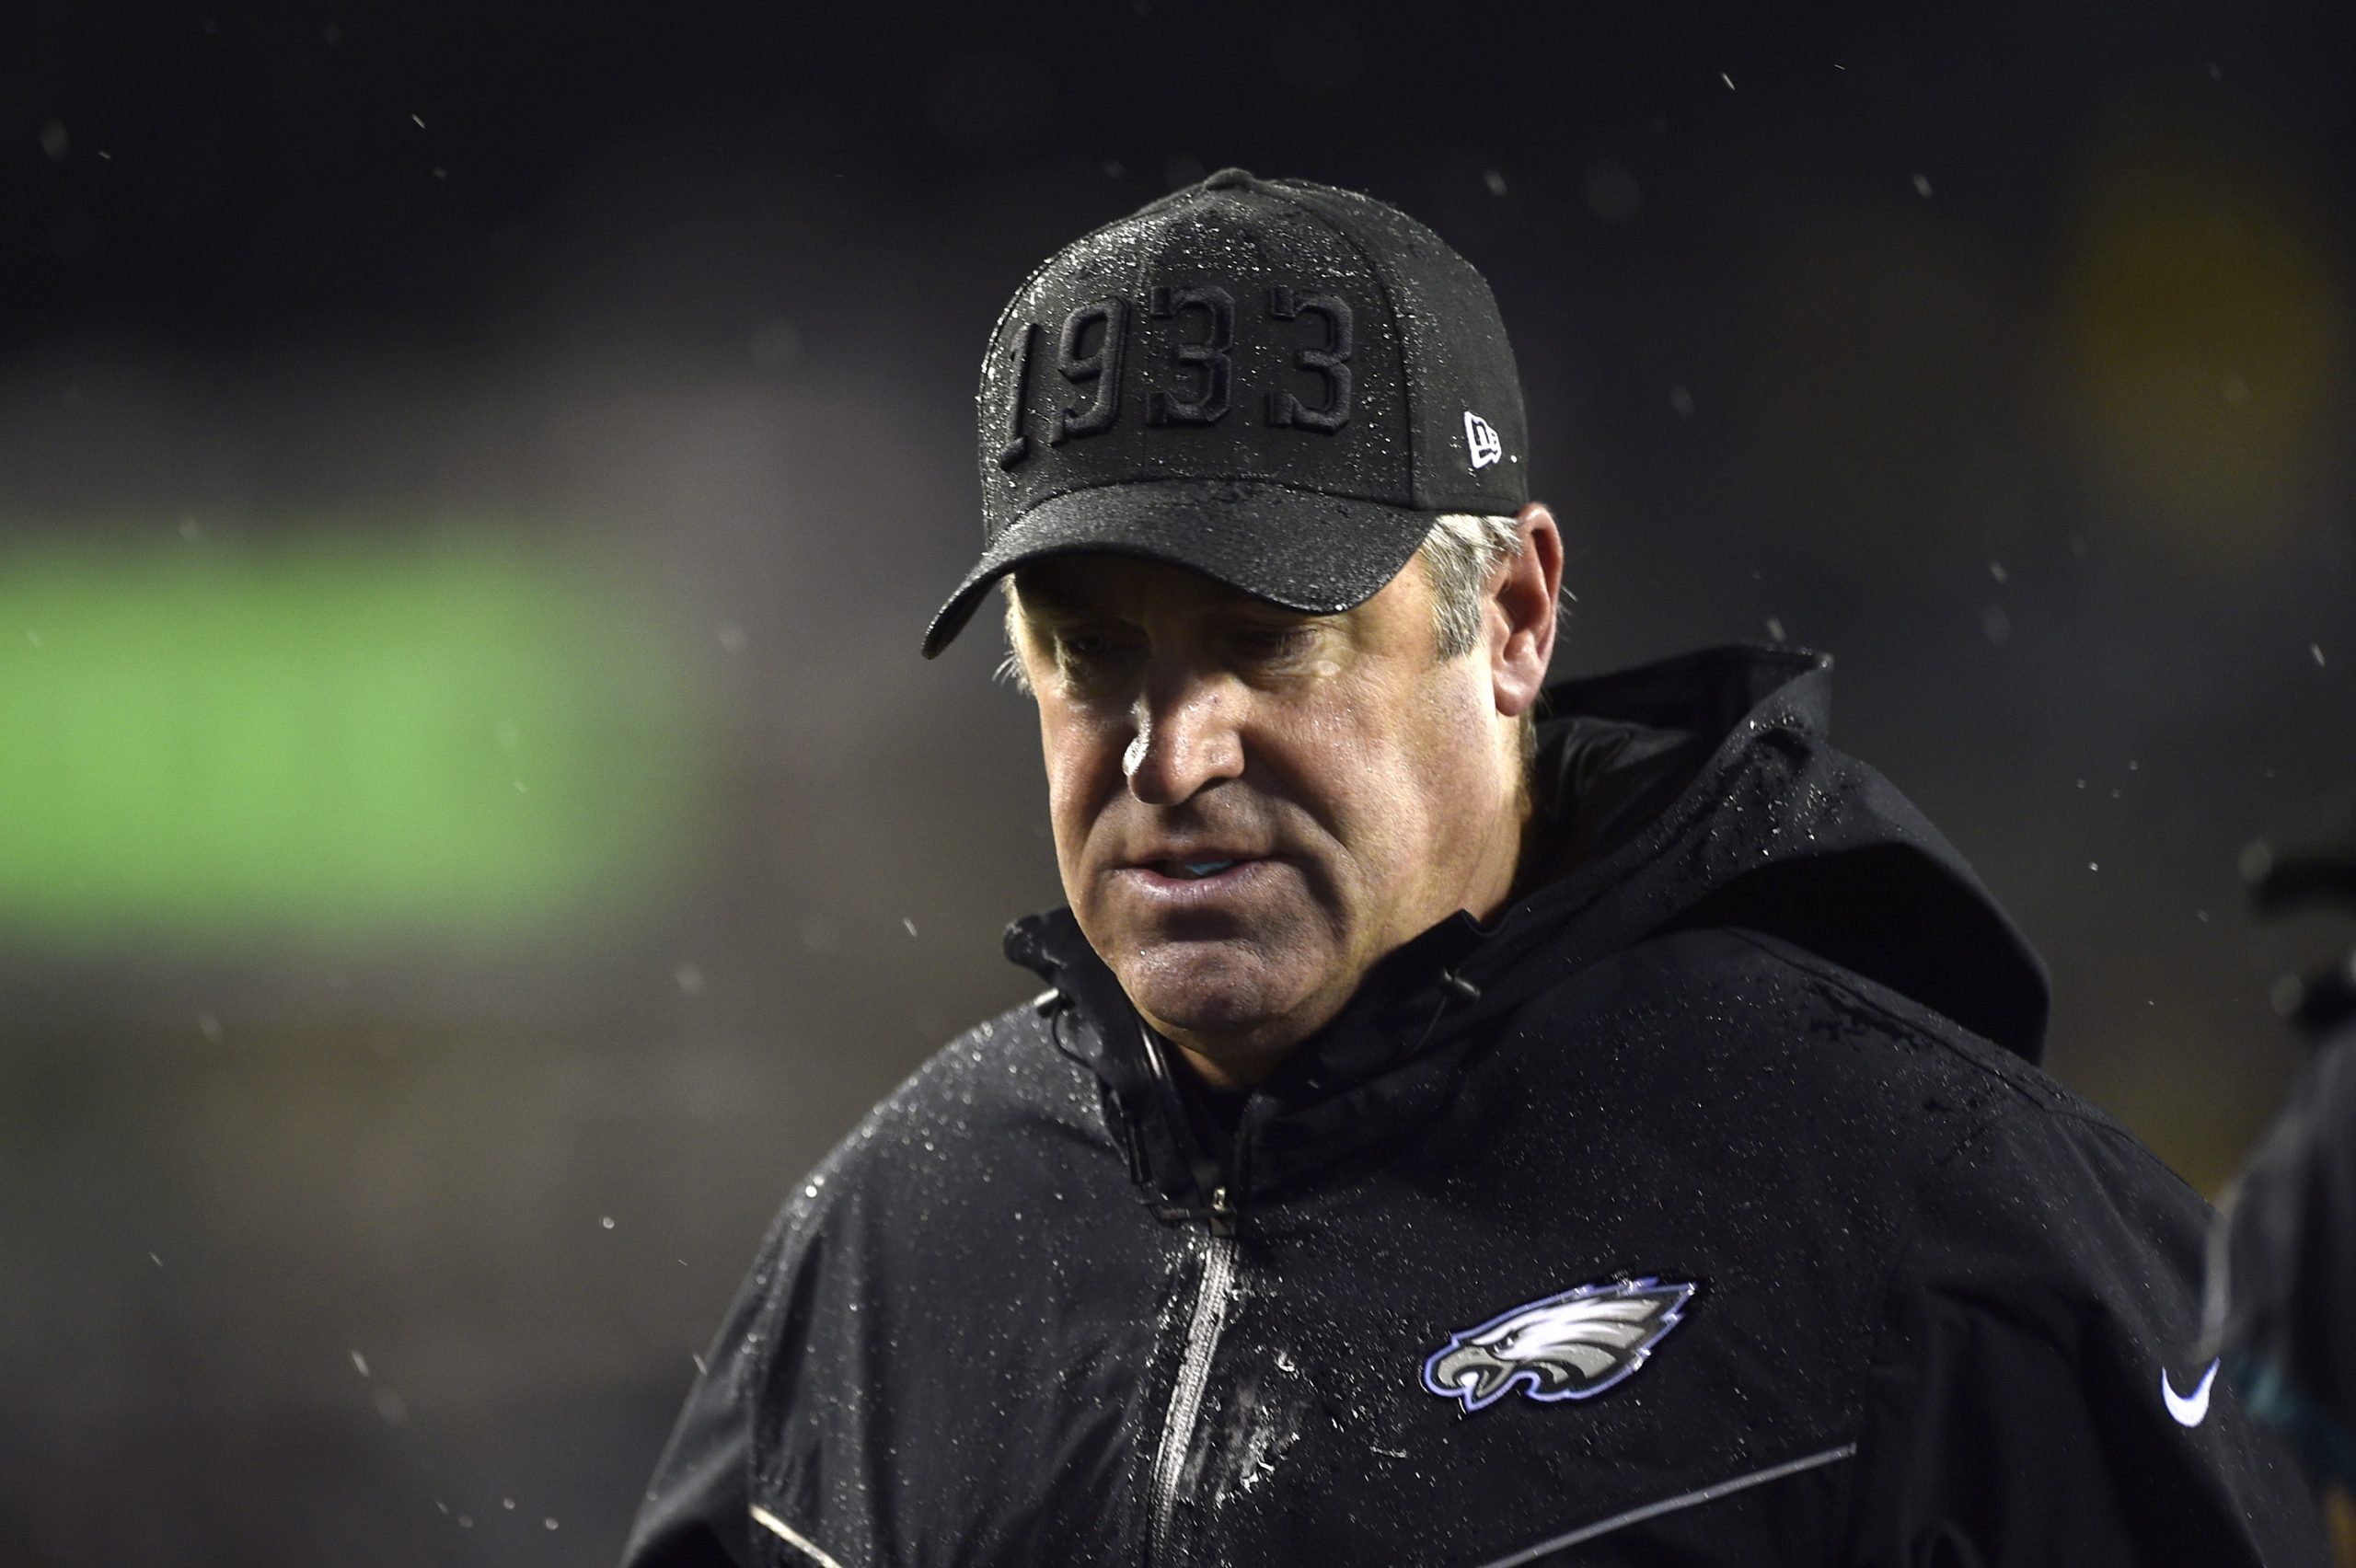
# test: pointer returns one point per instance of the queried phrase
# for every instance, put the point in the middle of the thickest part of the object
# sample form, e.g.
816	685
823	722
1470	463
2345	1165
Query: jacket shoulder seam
1934	1030
2056	1102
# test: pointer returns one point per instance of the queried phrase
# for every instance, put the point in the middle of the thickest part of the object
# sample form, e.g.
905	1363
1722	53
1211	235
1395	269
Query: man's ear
1523	599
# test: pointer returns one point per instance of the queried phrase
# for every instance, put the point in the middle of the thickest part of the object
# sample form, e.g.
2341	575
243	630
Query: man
2283	1298
1466	1124
2282	1278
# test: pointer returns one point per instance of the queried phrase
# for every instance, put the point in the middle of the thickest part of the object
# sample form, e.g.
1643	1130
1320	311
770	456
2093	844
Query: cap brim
1319	554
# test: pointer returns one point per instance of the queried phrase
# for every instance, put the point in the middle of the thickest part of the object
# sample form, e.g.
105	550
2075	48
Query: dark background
2006	357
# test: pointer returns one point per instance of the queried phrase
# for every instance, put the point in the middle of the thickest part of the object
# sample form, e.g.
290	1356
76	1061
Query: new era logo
1481	438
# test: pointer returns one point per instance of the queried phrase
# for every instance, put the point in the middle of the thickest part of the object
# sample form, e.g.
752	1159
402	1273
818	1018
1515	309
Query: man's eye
1273	642
1085	651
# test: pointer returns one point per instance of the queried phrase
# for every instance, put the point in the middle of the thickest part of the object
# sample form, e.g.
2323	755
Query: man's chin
1209	988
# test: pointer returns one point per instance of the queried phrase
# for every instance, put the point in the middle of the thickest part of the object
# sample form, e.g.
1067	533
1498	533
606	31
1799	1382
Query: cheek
1453	728
1427	779
1359	768
1080	770
1468	735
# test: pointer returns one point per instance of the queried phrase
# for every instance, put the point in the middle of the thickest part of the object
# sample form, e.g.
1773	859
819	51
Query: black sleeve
2289	1285
2016	1413
698	1508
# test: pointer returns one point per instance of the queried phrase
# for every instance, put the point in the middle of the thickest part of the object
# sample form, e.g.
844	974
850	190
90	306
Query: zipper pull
1222	1213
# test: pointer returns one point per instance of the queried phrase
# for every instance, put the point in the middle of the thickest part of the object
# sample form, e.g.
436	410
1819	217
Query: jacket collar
1342	1091
1698	790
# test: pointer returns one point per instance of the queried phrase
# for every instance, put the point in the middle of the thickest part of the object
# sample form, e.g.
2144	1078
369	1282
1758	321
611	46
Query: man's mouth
1190	881
1192	871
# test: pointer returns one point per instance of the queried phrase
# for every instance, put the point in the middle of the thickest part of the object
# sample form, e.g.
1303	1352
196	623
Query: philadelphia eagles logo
1566	1347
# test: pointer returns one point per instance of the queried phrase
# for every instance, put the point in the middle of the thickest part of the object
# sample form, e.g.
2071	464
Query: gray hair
1459	555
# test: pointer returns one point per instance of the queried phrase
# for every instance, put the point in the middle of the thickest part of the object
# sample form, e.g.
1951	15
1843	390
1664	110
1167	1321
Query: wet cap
1274	383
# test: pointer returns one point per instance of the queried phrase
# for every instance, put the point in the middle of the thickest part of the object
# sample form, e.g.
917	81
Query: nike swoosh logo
2190	1410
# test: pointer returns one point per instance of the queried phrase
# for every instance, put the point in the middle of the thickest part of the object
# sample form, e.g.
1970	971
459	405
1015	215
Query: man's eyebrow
1040	600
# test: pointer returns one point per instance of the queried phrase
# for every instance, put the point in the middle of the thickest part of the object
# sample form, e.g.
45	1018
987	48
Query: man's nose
1187	735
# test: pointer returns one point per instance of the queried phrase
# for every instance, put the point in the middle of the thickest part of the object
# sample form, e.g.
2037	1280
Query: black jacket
1706	1208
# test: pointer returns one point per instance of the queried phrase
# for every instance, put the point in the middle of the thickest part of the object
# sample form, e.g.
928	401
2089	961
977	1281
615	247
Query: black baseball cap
1274	383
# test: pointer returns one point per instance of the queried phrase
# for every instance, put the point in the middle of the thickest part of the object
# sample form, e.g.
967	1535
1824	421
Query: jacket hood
1703	791
1697	792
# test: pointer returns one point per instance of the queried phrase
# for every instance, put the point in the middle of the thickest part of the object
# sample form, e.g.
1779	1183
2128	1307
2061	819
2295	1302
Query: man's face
1251	806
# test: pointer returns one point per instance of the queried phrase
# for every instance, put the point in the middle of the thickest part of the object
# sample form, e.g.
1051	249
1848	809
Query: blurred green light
343	741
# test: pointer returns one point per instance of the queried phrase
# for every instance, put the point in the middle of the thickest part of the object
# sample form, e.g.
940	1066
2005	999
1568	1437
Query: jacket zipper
1210	1316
